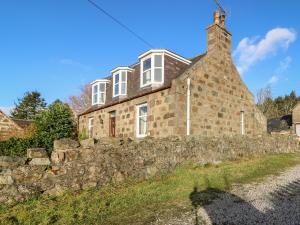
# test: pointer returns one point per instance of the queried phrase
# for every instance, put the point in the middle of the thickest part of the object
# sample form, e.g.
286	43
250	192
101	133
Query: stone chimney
218	38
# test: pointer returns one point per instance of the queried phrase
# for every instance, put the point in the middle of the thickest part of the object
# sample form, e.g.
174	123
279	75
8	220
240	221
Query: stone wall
75	168
8	128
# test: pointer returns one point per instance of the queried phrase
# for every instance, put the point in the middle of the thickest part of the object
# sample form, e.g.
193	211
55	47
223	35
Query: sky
55	46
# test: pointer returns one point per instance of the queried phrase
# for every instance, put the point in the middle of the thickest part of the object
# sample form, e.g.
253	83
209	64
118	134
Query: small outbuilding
296	119
11	127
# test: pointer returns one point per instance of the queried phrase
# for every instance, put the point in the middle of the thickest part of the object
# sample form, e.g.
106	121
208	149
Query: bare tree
82	101
263	94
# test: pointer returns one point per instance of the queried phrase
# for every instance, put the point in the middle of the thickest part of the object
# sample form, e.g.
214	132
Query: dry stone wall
92	165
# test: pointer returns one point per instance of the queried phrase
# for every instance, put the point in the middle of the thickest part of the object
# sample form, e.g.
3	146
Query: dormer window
152	70
99	92
120	75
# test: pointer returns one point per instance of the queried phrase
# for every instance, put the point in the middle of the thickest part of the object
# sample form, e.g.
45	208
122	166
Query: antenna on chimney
221	9
220	14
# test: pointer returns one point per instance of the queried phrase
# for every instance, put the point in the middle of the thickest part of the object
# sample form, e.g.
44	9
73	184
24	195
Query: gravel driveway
275	201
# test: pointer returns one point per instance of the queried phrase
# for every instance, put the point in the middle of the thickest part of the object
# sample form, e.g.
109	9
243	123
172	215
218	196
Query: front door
298	129
112	124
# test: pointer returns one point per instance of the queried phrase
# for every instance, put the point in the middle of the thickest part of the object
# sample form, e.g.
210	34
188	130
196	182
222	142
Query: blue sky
55	46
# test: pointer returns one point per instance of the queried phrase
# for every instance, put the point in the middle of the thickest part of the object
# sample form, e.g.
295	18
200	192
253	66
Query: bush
55	123
17	146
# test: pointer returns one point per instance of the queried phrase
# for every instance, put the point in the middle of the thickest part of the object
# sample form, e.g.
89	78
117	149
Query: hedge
17	146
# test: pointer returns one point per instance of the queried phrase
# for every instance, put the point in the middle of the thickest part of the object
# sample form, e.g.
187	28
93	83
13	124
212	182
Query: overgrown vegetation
276	107
53	123
140	202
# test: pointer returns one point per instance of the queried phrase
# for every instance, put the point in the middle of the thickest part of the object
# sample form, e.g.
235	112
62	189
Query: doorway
112	124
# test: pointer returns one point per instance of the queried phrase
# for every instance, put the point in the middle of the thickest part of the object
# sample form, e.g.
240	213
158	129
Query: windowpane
123	78
142	126
123	88
102	87
95	89
157	61
142	120
116	89
95	98
143	111
158	75
117	78
101	100
147	77
147	64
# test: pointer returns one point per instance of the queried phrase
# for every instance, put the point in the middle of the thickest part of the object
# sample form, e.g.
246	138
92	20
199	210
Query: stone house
167	94
11	127
296	119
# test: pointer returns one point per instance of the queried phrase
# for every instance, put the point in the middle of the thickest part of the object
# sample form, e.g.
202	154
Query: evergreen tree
54	123
30	105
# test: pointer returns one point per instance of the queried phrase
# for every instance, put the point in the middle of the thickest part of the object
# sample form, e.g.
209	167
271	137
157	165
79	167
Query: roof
173	69
22	123
296	106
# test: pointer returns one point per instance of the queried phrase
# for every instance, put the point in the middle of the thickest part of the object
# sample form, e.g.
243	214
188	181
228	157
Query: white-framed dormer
120	75
152	66
99	91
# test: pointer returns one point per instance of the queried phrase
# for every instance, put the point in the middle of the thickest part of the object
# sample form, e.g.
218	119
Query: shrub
55	123
83	135
17	146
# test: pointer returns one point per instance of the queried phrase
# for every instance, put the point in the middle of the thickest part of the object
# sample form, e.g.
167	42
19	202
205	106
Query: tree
280	106
55	123
30	105
83	101
263	94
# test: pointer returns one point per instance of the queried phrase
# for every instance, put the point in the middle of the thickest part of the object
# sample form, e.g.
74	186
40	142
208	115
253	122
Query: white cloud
280	70
284	64
251	50
6	110
274	79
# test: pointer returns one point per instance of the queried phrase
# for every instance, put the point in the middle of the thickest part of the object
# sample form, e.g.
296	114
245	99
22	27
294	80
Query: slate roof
173	69
22	123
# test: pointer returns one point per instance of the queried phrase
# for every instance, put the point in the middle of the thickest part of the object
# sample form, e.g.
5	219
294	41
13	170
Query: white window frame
242	122
99	92
138	135
152	69
91	127
297	124
120	83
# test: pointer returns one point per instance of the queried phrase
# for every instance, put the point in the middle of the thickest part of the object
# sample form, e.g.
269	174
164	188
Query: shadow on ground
282	207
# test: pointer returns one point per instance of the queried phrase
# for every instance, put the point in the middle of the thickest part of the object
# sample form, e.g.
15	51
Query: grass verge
137	202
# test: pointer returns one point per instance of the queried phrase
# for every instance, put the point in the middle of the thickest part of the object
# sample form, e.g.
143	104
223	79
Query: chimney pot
222	18
217	17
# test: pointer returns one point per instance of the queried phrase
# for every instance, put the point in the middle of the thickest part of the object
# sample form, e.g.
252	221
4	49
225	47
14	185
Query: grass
140	202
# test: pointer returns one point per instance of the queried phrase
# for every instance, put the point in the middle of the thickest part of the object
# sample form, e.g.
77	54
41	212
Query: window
152	70
98	93
120	83
91	127
142	111
242	123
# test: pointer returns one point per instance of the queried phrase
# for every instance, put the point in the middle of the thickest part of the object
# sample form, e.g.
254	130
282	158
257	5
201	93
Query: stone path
276	201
